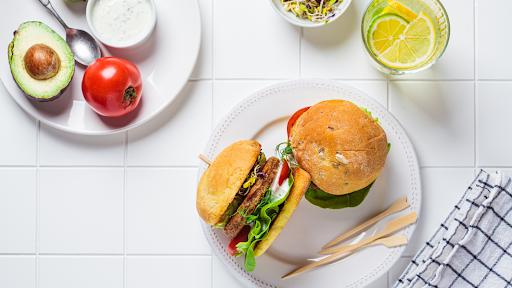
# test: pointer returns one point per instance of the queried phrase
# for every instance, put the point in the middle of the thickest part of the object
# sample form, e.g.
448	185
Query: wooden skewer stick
390	241
205	160
390	228
398	206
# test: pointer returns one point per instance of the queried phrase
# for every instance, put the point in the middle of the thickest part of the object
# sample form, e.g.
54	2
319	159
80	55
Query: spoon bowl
84	47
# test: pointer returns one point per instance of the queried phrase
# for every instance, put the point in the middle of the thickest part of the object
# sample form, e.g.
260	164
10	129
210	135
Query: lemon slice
400	9
384	31
414	46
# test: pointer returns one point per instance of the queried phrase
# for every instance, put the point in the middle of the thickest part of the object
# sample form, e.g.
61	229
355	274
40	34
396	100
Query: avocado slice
41	62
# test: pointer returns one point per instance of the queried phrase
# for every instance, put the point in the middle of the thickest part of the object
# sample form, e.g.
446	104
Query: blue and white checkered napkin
473	247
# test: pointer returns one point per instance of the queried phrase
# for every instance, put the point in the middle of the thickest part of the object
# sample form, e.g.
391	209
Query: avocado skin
44	99
30	96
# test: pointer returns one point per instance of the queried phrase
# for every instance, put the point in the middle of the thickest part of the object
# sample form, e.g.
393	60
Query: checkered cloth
473	247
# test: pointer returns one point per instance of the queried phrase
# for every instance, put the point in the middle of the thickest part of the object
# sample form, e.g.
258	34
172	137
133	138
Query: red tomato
294	118
285	172
112	86
241	237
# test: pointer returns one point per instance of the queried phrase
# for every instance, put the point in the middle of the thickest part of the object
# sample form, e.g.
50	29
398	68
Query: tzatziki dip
121	20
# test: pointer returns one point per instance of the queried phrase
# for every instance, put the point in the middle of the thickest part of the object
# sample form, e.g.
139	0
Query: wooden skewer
390	224
388	242
205	160
390	228
391	241
398	206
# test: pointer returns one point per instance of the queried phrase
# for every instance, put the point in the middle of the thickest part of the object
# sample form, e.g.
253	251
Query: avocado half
37	33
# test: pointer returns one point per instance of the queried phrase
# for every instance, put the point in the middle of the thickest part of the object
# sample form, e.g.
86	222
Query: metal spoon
82	44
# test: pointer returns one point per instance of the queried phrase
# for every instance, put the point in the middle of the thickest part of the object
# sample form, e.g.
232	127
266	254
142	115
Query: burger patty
252	199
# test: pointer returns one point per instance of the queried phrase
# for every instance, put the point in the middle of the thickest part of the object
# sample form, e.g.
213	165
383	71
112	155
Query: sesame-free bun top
221	181
338	127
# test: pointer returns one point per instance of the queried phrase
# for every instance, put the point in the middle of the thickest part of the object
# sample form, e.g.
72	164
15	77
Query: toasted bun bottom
221	181
300	185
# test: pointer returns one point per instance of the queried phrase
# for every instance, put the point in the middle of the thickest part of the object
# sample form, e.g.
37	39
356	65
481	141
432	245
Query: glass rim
398	71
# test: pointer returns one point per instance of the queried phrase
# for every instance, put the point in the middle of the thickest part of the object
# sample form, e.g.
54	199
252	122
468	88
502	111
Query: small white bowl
290	17
135	42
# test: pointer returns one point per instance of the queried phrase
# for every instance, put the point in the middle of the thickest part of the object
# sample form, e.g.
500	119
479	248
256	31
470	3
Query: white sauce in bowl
121	20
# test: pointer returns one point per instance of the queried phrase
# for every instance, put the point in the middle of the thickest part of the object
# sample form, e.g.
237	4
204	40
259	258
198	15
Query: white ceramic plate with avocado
263	116
165	61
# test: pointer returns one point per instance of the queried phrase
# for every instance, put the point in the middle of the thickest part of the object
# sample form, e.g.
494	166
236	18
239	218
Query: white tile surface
81	211
18	211
227	94
446	184
62	148
439	119
222	278
203	69
253	41
80	272
18	272
160	211
336	50
175	136
493	139
492	45
19	133
458	60
84	211
160	272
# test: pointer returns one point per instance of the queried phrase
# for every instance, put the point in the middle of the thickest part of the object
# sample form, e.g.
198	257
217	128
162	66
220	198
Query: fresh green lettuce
325	200
259	230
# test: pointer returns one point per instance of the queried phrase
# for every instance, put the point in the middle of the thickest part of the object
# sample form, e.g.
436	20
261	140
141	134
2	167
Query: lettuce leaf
325	200
259	230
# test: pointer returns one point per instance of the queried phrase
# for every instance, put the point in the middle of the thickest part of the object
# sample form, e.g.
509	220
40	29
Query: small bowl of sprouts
310	13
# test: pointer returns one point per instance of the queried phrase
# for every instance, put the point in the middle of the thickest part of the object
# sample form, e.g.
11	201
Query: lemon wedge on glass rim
400	9
413	47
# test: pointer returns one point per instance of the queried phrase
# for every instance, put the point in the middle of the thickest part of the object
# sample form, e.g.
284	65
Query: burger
341	146
250	197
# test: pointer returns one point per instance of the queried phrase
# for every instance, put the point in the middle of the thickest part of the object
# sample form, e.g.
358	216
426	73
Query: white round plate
165	61
263	116
304	22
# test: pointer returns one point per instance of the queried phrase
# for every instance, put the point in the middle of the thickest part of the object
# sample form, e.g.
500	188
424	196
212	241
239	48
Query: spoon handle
48	5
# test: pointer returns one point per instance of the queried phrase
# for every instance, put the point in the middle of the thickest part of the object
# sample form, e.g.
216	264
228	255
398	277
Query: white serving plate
306	23
165	61
262	116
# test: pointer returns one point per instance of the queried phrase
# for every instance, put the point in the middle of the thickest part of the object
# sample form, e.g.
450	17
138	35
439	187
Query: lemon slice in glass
400	9
384	31
414	46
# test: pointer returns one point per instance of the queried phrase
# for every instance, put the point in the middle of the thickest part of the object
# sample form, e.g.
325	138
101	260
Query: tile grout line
38	182
125	146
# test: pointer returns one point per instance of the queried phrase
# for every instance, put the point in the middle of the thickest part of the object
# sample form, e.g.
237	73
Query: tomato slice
294	118
285	172
241	237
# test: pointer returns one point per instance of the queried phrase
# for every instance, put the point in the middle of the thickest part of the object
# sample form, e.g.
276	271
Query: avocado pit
41	62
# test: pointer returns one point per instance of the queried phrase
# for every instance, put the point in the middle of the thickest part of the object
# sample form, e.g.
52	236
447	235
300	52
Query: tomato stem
129	95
